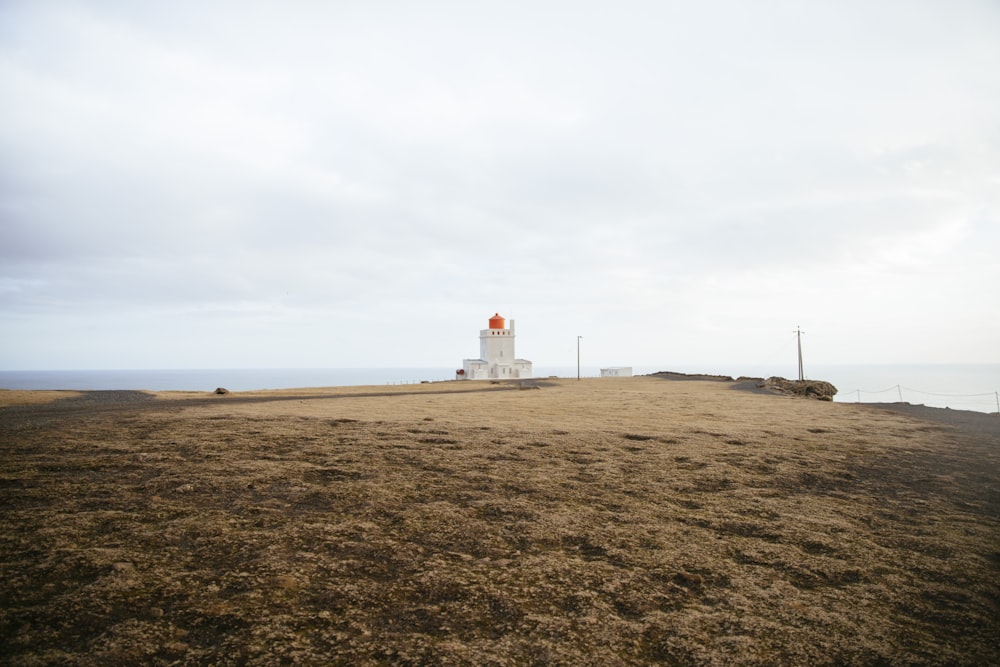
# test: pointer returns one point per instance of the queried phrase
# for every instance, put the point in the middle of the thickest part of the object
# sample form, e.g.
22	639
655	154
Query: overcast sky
360	184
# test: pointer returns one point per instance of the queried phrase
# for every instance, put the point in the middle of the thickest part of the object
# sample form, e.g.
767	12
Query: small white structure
496	355
617	372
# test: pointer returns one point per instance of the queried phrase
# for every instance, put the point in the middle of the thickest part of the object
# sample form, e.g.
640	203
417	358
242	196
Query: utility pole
798	333
578	357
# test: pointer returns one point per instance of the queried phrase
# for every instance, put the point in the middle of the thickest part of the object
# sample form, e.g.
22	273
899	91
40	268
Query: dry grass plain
594	522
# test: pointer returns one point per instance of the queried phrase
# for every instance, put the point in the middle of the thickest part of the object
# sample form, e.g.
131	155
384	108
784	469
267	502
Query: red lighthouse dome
496	322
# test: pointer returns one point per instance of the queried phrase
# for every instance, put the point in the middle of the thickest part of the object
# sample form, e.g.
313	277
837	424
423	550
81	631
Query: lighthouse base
479	369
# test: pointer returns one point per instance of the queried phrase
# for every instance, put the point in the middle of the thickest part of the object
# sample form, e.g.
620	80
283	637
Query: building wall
496	345
478	369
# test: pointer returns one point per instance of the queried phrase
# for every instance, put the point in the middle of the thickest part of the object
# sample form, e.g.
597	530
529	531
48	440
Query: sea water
233	379
956	386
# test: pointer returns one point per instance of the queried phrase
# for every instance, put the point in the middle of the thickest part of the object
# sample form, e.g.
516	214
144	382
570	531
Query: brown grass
9	397
593	522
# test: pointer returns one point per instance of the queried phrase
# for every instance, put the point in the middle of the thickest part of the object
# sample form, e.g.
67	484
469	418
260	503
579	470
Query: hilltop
593	522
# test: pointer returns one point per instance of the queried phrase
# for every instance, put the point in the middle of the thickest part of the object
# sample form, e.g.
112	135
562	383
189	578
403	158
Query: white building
617	372
496	355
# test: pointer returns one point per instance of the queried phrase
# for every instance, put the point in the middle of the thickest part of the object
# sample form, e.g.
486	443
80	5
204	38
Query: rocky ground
595	522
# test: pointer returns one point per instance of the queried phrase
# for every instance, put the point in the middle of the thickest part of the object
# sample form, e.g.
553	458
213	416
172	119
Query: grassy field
614	521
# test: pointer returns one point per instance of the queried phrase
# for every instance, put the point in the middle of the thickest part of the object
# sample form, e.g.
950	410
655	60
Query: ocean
956	386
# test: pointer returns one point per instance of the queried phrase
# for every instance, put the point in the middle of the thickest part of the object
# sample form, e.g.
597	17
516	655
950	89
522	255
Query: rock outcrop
818	389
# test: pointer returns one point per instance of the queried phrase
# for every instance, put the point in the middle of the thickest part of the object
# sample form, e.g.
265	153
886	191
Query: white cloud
653	175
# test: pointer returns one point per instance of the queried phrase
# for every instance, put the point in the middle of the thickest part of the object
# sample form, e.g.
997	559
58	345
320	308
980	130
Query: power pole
798	334
578	357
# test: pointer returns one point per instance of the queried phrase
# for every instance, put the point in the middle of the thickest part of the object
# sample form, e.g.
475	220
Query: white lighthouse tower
496	355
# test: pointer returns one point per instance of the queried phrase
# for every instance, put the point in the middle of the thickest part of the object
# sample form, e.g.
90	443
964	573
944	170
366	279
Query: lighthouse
496	355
